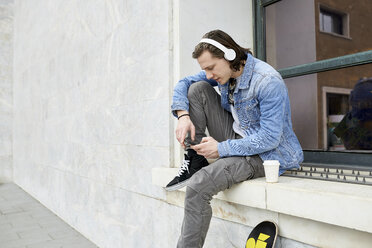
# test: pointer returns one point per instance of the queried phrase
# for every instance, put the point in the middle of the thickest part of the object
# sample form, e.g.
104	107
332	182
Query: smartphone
189	143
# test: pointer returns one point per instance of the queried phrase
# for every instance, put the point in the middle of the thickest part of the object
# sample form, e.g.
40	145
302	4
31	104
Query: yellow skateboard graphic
263	235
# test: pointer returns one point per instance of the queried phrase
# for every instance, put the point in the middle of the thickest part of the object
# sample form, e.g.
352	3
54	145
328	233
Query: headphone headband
229	53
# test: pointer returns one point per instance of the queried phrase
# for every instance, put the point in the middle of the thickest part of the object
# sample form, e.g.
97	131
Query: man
248	123
355	129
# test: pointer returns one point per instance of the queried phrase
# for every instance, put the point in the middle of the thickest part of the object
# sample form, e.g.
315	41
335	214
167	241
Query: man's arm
180	101
180	105
272	97
184	125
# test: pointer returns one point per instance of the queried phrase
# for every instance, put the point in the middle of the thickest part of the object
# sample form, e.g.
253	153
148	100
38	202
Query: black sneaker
191	164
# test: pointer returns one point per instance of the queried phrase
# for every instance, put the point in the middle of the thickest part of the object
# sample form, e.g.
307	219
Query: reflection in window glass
338	104
333	110
298	32
355	128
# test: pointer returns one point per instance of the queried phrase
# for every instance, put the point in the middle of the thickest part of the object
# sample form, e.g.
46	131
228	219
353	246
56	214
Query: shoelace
184	167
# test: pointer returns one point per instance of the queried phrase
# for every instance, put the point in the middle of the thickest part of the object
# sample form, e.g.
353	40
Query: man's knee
198	87
200	186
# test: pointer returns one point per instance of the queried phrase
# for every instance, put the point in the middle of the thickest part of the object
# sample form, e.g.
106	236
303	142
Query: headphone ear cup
230	54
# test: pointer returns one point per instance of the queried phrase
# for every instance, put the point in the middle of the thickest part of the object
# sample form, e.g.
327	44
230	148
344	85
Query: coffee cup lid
271	162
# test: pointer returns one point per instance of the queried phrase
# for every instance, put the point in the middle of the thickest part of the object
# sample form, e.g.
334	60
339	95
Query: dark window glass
331	22
333	110
337	104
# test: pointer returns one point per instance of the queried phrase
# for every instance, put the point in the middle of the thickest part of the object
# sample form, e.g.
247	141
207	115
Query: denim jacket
262	104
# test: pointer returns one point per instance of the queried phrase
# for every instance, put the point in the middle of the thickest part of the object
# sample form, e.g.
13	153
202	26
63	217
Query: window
331	22
335	107
320	70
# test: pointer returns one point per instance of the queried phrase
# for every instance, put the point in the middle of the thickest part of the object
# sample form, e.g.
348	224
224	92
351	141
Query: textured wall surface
6	91
91	113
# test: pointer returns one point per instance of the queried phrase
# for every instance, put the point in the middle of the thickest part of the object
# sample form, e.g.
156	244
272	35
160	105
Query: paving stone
26	223
34	233
46	244
17	197
22	222
18	229
79	241
63	234
18	215
40	213
30	206
24	241
50	221
87	245
17	221
11	211
57	228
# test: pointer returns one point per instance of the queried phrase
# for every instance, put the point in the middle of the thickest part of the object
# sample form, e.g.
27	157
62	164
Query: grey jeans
206	112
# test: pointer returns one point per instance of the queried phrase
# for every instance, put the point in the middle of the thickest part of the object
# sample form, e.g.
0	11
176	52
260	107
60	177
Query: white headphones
229	53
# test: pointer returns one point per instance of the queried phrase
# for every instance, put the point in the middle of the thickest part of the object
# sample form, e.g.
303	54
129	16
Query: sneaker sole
177	186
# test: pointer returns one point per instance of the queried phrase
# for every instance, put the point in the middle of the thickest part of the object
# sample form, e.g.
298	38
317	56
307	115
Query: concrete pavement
26	223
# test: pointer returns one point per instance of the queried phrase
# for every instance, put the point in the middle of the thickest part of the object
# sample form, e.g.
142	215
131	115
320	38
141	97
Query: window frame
360	58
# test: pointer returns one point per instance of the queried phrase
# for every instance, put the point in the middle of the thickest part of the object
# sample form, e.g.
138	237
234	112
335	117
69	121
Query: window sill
307	205
336	35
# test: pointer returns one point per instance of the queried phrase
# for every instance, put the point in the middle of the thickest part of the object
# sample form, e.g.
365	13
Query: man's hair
227	41
360	100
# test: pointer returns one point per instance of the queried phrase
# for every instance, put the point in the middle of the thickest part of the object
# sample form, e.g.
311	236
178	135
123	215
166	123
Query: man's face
215	68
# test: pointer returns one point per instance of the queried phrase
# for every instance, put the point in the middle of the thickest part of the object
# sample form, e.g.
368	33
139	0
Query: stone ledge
319	207
162	176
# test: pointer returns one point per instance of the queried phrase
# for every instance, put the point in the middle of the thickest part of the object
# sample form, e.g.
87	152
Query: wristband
182	116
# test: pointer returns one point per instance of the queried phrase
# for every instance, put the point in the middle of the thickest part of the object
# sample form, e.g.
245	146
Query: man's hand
184	126
208	148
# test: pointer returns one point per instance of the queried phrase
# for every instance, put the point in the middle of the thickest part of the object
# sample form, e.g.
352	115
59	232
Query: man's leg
207	182
206	111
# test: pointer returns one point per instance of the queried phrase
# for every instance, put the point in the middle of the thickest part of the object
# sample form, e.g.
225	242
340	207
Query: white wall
6	89
91	114
199	17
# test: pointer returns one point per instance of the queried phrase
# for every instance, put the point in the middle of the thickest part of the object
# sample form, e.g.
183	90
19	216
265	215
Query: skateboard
263	235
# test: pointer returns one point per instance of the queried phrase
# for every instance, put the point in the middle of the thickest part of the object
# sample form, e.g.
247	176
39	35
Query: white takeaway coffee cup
271	170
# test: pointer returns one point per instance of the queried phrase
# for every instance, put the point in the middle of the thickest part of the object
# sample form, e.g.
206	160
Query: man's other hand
208	148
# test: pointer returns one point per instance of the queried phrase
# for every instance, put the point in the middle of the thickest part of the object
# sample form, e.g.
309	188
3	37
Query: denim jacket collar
247	73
